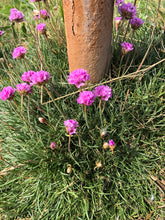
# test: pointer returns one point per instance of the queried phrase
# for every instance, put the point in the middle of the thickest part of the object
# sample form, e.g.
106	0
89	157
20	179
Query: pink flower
7	93
136	23
71	126
118	21
127	11
24	89
41	28
86	98
103	92
1	32
16	15
27	75
36	14
40	78
19	52
111	143
126	47
78	77
44	14
53	145
118	2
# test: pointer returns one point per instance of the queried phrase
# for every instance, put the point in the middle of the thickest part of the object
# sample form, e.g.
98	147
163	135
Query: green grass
129	185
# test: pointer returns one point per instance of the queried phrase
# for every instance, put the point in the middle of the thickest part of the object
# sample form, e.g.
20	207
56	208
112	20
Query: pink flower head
36	14
78	77
19	52
7	93
136	23
127	11
103	92
86	98
24	89
126	47
1	32
16	15
53	145
118	2
41	28
71	126
111	143
44	14
26	76
40	78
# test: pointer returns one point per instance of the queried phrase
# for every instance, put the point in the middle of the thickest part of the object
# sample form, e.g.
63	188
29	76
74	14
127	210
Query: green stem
21	103
69	143
50	95
120	64
100	112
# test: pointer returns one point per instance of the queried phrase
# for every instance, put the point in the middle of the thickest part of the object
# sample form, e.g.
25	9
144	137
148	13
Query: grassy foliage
34	179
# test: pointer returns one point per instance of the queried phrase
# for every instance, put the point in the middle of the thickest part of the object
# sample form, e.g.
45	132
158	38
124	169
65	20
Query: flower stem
41	95
21	103
69	143
85	114
120	64
100	112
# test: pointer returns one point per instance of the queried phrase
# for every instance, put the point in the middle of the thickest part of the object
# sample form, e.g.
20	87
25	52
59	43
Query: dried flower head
98	164
44	14
69	168
26	76
126	47
53	145
127	11
103	92
86	98
36	14
78	77
105	145
16	15
40	78
136	23
41	28
118	2
7	93
71	126
19	52
24	89
1	32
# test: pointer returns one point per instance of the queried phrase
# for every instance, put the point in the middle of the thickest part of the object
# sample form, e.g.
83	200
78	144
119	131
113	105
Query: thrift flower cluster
16	15
126	47
103	92
78	77
71	126
41	28
7	93
1	32
24	89
86	98
19	52
127	11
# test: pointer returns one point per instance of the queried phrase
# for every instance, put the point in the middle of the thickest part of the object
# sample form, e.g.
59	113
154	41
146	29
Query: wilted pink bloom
24	89
127	11
44	14
36	0
53	145
41	28
7	93
71	126
126	47
103	92
118	21
36	14
111	143
86	98
1	32
78	77
136	23
118	2
40	78
19	52
16	15
27	75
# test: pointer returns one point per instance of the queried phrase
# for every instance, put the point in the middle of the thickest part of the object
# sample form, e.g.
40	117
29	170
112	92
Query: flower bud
42	120
103	133
53	145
